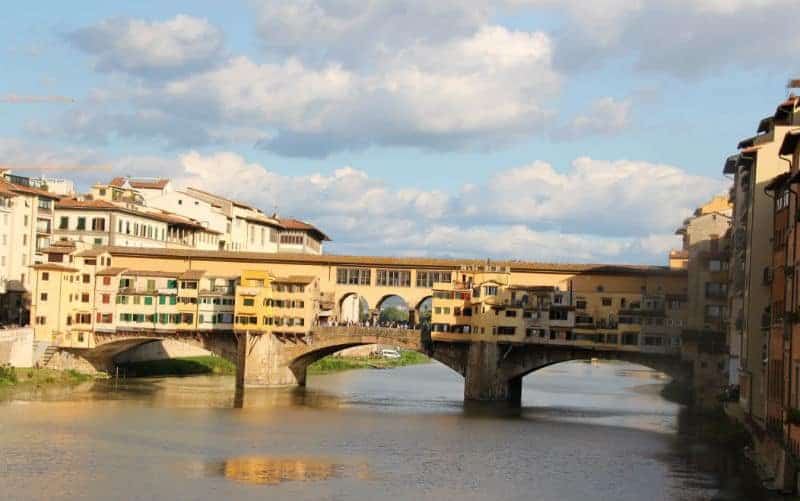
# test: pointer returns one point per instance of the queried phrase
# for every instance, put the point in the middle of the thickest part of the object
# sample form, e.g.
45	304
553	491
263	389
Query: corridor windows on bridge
353	276
426	279
630	339
506	330
393	278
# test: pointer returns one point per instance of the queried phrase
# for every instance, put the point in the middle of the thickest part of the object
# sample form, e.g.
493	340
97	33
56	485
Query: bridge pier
485	380
261	361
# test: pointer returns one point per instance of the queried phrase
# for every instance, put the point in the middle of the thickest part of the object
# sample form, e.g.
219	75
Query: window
148	300
98	224
106	280
393	278
715	265
506	331
607	301
248	301
490	290
81	223
106	298
428	278
86	278
63	223
353	276
84	297
188	285
43	296
45	276
559	314
172	284
151	285
511	313
580	304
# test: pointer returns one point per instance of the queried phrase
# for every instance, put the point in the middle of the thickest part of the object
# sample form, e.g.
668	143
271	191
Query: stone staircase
48	355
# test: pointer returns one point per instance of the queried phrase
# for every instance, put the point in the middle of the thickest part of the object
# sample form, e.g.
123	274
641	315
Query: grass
337	364
185	366
15	376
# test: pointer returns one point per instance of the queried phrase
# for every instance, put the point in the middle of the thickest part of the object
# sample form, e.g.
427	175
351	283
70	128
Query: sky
543	130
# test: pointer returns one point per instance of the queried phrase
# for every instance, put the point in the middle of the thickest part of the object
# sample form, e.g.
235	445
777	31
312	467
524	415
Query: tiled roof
192	275
377	261
297	225
110	271
54	267
150	273
140	184
27	190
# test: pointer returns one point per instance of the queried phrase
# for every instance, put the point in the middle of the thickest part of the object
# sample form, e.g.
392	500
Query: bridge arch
394	309
353	307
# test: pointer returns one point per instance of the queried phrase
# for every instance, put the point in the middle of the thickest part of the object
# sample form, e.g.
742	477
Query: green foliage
10	376
337	364
394	314
186	366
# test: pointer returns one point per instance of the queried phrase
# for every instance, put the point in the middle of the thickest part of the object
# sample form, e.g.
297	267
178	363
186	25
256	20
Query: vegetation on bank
336	364
184	366
16	376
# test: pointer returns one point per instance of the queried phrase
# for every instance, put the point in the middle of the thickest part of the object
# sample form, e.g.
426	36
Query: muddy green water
585	432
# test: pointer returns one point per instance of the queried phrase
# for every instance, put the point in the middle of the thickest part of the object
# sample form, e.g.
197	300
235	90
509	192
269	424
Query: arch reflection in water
266	470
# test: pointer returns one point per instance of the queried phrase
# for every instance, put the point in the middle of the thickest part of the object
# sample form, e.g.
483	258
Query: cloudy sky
525	129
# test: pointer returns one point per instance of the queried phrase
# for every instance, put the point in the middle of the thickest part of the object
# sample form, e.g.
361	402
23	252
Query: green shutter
173	300
148	300
162	299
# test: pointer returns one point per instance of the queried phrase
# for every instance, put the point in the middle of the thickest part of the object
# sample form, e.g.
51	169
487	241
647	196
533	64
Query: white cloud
483	90
150	47
595	211
605	116
685	38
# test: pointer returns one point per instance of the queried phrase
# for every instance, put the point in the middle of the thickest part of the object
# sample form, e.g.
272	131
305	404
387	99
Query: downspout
793	220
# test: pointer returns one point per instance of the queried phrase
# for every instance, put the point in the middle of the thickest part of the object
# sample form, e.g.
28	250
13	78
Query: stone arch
397	301
109	346
352	307
426	303
524	362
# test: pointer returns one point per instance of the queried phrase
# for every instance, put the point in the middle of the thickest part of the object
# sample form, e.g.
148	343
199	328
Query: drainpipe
793	220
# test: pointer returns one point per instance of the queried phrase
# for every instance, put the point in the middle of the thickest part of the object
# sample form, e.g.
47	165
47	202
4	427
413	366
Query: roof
110	271
730	164
150	273
163	216
379	261
141	184
59	247
777	181
297	225
789	145
192	275
54	267
295	279
27	190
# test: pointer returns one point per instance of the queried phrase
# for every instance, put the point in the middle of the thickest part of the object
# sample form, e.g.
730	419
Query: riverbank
331	364
182	366
30	377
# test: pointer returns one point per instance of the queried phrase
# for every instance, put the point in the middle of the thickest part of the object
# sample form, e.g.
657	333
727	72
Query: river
584	432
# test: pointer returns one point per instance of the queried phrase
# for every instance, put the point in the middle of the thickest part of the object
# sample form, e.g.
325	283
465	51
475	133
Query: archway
353	309
423	310
394	311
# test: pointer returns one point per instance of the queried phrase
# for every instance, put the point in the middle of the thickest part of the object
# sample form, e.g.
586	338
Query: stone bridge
492	371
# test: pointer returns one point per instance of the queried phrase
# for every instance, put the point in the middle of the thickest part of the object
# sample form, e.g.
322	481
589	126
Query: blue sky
458	128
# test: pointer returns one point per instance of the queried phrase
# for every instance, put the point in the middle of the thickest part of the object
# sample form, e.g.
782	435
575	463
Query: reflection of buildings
704	336
271	471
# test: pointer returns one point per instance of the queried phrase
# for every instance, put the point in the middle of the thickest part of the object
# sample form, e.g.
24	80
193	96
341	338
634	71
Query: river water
584	432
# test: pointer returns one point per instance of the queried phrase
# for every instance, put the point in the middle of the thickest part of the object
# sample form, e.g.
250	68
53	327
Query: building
757	163
619	311
26	223
704	338
141	289
101	222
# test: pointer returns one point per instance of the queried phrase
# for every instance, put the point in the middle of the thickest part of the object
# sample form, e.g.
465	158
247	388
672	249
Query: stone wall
63	361
16	347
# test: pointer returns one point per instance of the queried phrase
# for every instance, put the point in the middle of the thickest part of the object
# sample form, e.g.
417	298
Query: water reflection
584	431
